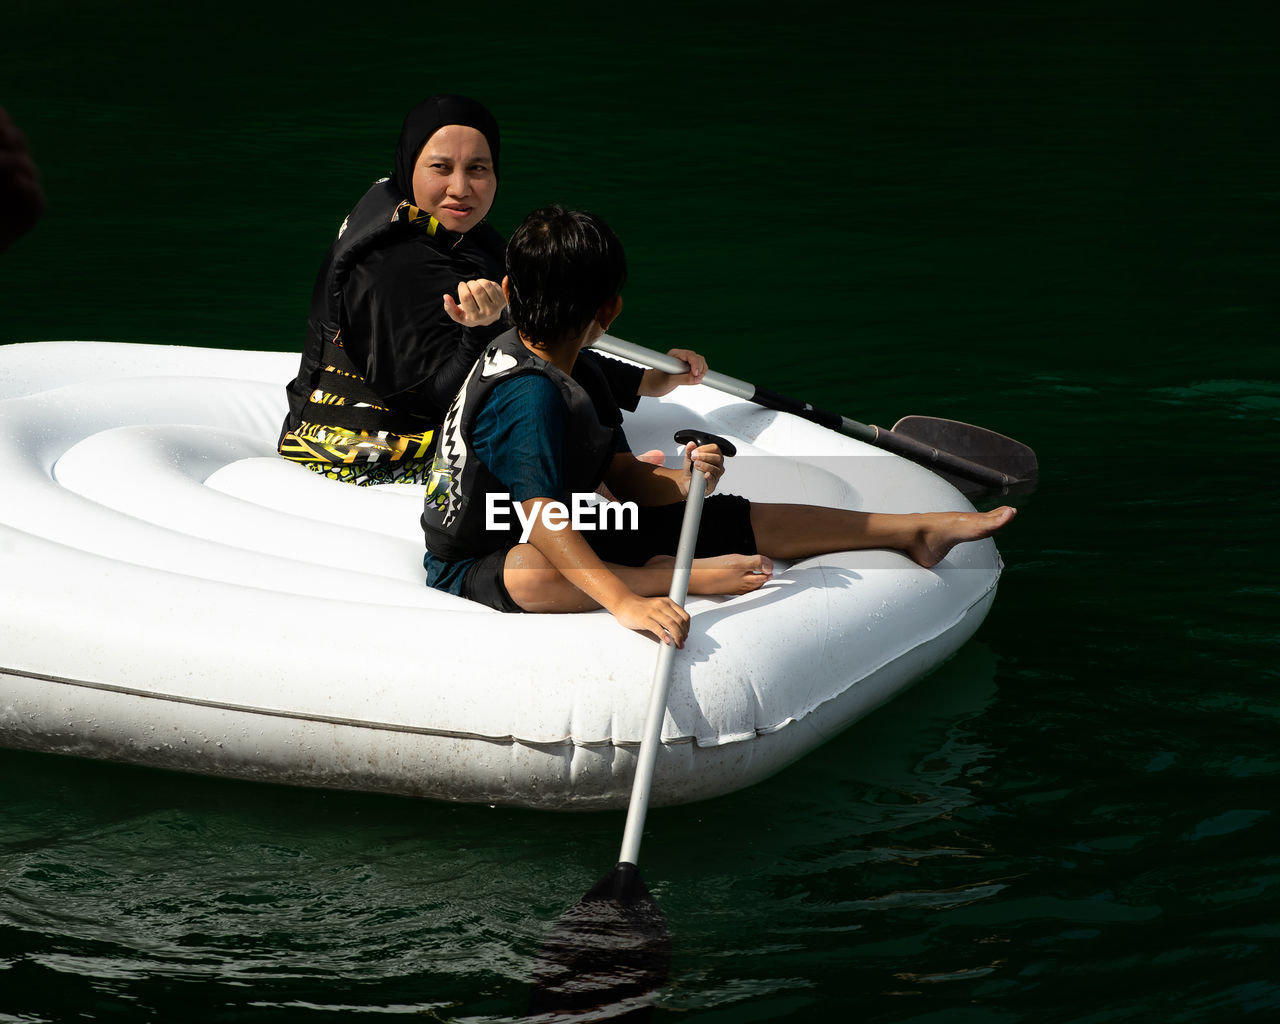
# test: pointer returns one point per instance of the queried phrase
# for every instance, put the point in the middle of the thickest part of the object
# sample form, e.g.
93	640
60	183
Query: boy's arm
656	383
628	383
574	559
632	480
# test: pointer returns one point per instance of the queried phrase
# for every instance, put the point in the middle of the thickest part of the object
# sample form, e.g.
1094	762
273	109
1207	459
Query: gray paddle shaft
652	738
745	390
995	476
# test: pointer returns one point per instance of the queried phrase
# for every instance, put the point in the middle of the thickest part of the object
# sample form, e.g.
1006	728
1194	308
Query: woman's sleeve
413	354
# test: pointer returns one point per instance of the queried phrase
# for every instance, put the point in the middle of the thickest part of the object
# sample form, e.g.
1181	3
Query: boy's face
453	178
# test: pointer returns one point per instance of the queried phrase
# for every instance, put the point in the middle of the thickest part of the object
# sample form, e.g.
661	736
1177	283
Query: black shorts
725	529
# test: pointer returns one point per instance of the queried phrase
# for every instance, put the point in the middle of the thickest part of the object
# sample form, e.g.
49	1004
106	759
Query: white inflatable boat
176	595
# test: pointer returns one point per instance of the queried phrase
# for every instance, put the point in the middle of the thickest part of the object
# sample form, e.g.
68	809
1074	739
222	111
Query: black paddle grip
783	403
701	437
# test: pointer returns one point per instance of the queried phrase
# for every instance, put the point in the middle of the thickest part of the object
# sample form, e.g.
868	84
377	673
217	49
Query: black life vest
454	517
329	388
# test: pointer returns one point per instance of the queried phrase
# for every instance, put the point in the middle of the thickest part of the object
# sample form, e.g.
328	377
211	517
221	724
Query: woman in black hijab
405	301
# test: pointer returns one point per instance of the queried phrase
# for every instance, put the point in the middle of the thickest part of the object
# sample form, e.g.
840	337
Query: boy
532	427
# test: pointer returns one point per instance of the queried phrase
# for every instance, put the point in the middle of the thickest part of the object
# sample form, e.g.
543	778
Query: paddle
975	459
612	948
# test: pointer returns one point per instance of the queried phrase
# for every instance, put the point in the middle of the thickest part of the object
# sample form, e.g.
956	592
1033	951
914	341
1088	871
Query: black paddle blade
608	953
976	444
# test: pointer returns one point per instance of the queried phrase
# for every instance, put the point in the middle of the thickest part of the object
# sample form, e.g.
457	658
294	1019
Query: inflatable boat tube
177	595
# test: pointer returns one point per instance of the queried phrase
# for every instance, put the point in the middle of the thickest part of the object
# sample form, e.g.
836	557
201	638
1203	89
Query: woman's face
453	177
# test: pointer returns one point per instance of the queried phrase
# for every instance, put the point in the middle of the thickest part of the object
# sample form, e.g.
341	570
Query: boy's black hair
563	265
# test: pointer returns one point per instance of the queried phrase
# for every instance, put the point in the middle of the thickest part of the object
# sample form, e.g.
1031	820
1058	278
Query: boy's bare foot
725	574
941	531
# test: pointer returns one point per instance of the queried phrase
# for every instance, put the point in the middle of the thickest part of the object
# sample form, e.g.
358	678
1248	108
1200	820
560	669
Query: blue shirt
519	435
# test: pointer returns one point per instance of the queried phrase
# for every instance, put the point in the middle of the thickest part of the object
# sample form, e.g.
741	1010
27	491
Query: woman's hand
707	459
658	616
479	303
655	383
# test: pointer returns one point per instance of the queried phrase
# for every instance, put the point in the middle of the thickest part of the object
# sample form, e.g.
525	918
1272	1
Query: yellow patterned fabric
363	474
358	456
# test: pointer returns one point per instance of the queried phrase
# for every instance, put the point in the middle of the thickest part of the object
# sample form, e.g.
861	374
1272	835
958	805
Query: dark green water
1058	220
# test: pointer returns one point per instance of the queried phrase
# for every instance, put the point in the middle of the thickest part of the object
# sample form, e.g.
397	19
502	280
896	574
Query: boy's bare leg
782	531
798	531
536	586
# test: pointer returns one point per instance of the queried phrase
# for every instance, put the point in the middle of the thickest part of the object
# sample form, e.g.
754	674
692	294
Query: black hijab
427	118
